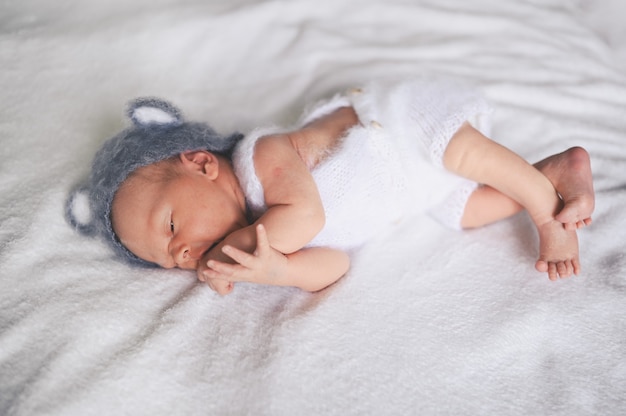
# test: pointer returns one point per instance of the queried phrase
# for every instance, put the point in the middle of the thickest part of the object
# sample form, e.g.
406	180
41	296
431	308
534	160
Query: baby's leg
569	172
474	156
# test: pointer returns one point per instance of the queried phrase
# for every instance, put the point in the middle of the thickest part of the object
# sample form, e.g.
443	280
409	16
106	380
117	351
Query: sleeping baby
288	206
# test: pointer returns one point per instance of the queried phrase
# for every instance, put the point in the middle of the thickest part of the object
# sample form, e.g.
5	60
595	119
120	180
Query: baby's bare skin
558	250
570	173
474	156
317	140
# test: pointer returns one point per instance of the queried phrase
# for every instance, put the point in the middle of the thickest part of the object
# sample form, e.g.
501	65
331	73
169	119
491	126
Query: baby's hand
265	265
221	286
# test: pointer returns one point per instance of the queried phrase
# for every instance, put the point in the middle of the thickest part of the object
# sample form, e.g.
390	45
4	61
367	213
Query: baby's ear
148	111
202	161
78	211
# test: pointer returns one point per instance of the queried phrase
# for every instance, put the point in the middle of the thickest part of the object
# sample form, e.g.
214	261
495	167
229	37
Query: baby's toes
576	265
541	266
566	269
553	273
571	226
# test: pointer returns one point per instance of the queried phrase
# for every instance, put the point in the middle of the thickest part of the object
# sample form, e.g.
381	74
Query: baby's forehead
138	187
133	189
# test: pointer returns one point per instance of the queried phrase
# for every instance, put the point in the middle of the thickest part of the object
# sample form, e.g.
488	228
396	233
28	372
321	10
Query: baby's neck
230	182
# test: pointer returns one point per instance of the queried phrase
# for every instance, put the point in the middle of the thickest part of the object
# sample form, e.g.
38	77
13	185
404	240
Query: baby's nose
181	254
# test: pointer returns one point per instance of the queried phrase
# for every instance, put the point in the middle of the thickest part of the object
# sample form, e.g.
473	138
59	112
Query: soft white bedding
428	321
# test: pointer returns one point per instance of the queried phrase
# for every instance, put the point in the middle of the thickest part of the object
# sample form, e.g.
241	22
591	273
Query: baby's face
174	222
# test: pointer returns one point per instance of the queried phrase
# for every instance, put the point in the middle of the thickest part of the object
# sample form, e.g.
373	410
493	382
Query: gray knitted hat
158	132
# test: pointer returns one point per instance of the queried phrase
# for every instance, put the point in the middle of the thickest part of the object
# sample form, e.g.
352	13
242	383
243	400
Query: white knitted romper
389	166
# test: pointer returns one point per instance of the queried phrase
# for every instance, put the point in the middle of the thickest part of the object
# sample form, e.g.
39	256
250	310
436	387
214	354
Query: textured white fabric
388	167
427	322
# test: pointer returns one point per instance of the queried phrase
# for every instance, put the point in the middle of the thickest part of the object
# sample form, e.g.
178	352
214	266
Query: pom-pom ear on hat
149	111
78	211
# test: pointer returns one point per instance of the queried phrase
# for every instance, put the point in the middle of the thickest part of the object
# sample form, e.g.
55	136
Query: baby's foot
558	250
570	173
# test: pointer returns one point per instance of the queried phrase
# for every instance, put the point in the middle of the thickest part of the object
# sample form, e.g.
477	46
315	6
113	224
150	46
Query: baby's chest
362	181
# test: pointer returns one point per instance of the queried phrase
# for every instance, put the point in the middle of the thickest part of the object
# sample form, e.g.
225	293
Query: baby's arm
294	215
310	269
304	149
295	212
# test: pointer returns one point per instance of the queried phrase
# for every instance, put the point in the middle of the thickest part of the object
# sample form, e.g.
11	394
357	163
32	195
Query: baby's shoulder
276	149
271	143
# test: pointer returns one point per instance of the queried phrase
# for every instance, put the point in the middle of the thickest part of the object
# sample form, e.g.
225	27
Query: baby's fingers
240	256
262	242
221	286
226	271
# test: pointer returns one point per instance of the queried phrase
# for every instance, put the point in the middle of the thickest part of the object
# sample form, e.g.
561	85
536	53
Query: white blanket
428	321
